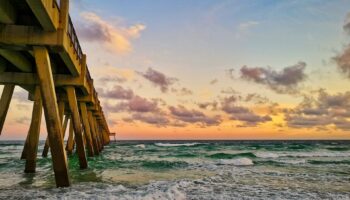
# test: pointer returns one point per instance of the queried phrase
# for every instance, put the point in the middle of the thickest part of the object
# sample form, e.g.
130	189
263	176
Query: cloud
115	78
256	98
214	81
229	73
346	26
93	28
343	58
21	96
134	104
140	104
247	25
247	116
182	92
151	118
205	105
229	90
244	27
119	107
158	79
285	81
117	92
228	102
343	61
340	100
241	113
23	120
326	109
248	98
194	116
307	122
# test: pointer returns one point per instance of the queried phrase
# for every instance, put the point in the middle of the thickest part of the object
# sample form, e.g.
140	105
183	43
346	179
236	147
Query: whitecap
236	162
266	155
293	162
142	146
176	145
316	154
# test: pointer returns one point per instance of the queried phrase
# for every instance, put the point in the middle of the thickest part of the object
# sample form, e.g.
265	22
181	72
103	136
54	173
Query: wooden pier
40	52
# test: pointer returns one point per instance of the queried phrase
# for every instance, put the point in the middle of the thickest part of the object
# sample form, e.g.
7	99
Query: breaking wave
236	162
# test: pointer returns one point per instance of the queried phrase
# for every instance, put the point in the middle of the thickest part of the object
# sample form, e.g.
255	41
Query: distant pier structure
113	134
40	52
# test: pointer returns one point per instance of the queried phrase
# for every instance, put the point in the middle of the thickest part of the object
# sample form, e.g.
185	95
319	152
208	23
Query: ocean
188	170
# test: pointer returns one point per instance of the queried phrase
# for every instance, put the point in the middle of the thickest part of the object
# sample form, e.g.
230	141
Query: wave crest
236	162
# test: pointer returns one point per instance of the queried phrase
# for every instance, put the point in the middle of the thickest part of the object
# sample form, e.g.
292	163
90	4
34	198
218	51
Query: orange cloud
113	38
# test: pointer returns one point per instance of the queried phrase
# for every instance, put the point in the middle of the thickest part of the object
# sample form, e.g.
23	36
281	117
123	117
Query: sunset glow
213	69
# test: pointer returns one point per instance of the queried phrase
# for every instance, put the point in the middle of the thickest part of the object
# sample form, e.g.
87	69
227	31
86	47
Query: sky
214	69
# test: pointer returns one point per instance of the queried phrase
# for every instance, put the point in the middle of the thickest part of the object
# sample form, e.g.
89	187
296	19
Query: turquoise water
188	170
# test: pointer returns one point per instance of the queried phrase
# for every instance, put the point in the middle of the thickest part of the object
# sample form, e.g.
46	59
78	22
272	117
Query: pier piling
73	105
53	122
33	134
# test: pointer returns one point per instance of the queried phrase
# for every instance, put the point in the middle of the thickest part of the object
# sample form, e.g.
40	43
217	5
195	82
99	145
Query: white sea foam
302	154
142	146
171	193
236	162
176	145
293	162
315	154
266	155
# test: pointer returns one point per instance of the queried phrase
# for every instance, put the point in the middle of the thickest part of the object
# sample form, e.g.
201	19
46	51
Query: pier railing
74	39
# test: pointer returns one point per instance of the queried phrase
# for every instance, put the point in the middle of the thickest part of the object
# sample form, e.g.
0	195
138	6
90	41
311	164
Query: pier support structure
40	52
53	122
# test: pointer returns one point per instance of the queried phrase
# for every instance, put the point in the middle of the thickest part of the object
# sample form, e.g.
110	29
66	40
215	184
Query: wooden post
97	133
83	113
73	105
70	142
5	101
93	134
64	14
61	105
105	136
47	145
65	123
33	134
53	123
25	147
